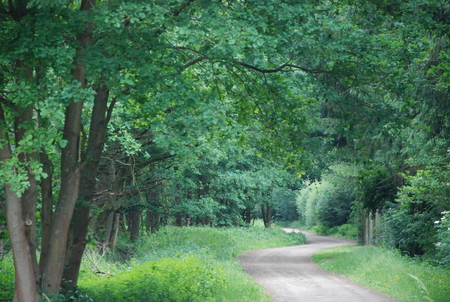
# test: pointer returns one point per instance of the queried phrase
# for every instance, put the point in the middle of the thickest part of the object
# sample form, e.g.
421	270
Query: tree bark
47	204
28	200
152	223
267	215
135	217
115	232
53	264
25	280
109	221
91	158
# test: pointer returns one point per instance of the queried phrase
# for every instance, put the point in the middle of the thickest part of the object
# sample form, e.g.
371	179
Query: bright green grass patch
184	264
221	243
348	231
388	272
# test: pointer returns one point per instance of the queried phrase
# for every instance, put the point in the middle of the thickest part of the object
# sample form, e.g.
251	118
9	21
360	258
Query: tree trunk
152	224
248	215
135	217
115	232
266	214
108	219
18	227
53	264
47	205
28	200
91	158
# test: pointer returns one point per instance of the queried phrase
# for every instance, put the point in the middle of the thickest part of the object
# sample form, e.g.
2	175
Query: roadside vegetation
175	264
183	264
387	271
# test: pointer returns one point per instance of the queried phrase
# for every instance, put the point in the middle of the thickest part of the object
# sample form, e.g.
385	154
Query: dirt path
289	275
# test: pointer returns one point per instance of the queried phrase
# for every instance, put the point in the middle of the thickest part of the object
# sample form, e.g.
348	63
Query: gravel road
289	274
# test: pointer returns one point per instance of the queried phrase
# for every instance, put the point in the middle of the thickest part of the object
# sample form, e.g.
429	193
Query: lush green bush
184	278
310	200
285	206
328	203
320	229
412	232
443	235
377	188
420	202
349	231
6	278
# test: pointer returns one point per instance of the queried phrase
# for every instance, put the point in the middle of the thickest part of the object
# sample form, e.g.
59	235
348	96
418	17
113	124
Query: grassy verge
348	231
388	272
182	264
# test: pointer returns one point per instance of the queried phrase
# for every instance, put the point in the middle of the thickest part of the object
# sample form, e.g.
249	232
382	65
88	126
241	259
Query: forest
119	118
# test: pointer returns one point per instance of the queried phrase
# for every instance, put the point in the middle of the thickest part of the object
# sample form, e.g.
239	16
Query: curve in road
289	274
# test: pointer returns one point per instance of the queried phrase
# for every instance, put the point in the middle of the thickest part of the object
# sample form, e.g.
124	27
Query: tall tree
170	60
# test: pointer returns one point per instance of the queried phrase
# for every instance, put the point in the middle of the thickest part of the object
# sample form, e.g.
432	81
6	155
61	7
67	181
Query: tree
268	61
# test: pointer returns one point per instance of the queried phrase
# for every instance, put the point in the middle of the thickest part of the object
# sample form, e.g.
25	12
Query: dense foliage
327	204
126	116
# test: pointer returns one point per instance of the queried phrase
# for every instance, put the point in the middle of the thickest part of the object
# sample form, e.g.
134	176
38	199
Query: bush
349	231
320	229
6	279
443	235
328	202
182	279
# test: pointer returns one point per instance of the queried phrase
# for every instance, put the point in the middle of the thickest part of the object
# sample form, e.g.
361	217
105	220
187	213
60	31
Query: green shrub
320	229
6	279
443	235
181	279
349	231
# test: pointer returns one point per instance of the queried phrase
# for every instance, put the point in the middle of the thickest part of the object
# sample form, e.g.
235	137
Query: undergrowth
347	231
386	271
6	278
182	264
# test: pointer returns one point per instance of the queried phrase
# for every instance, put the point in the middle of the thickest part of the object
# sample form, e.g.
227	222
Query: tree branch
155	159
280	68
199	59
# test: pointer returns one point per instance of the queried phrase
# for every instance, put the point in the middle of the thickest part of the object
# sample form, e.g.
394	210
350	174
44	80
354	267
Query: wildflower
437	221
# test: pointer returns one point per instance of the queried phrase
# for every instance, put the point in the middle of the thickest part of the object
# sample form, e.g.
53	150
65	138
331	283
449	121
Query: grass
222	243
181	264
388	272
348	231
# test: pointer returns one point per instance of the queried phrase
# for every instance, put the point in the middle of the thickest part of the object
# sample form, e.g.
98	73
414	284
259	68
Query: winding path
289	274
